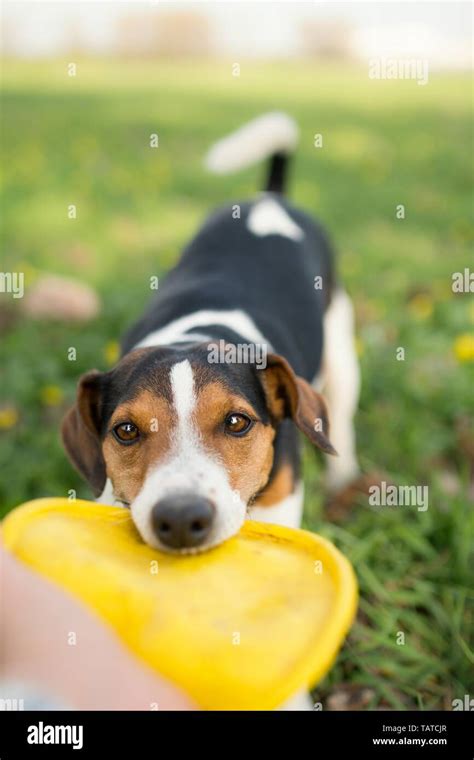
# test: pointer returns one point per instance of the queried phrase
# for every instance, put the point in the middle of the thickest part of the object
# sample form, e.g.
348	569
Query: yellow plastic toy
243	626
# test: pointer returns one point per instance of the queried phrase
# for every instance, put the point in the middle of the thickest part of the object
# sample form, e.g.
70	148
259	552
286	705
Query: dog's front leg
341	385
288	511
301	701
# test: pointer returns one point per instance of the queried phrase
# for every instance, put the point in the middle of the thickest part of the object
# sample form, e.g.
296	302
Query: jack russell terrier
196	427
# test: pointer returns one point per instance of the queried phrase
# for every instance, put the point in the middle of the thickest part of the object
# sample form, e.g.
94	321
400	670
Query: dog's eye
126	432
237	424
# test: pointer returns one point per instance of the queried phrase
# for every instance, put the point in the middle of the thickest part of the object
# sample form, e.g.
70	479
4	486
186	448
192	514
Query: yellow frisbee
242	626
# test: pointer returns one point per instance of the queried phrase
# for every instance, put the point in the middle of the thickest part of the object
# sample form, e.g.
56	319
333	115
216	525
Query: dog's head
188	445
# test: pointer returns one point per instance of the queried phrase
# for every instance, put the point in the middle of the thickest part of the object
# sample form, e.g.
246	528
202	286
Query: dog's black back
283	285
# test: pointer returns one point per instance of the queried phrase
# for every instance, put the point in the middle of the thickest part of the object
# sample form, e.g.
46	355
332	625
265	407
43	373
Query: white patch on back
177	331
267	217
188	467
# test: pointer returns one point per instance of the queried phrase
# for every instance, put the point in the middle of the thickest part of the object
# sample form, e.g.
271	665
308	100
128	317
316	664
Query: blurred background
92	210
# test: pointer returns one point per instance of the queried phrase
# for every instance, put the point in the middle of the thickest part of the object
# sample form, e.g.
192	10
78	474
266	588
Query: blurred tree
179	34
326	39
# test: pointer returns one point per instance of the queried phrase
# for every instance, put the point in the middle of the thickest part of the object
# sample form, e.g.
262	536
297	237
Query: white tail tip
268	134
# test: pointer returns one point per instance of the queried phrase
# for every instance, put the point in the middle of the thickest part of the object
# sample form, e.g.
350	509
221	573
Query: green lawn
85	140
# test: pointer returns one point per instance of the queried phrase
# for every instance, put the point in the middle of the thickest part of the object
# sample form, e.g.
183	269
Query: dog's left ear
289	395
81	432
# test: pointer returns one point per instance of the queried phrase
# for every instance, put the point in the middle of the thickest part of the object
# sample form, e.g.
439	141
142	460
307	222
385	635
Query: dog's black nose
182	520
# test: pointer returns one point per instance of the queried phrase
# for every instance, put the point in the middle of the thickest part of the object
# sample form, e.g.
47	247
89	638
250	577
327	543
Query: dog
196	427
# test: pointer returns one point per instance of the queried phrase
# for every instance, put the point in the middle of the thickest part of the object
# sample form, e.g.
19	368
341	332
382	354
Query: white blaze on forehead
188	468
182	388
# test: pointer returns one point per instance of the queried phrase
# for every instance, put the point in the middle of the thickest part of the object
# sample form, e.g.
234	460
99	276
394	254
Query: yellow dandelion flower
464	347
51	395
30	272
421	306
359	344
111	352
8	417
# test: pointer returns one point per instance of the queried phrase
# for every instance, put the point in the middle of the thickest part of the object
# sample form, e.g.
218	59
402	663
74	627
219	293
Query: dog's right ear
81	431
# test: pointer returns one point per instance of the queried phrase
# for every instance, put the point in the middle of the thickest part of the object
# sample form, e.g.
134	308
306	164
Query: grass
85	140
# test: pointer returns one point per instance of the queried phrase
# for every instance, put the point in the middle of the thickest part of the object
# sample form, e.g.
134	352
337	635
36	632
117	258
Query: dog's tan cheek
249	462
282	485
126	468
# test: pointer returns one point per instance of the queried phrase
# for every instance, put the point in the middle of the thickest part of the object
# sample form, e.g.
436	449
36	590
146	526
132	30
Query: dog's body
241	287
194	444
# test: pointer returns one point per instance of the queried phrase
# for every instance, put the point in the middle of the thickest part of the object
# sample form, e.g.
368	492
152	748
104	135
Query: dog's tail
273	135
